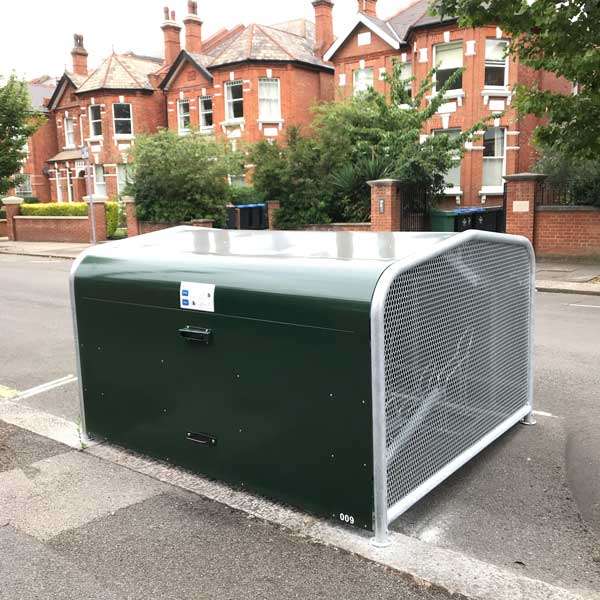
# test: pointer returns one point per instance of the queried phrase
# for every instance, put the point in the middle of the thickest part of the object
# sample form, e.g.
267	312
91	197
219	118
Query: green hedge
245	194
72	209
2	213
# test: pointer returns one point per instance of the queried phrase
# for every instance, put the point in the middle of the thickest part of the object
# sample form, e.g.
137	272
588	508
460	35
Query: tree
562	38
324	178
18	121
179	178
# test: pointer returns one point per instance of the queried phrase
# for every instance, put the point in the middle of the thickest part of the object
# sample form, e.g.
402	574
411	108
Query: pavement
524	515
562	276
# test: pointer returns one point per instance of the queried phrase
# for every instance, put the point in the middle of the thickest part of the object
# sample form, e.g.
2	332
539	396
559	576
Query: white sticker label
197	296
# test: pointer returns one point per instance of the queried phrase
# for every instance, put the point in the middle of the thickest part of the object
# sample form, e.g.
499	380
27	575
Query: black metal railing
555	194
415	211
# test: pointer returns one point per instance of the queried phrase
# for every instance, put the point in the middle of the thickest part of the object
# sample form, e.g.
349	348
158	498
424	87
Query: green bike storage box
344	373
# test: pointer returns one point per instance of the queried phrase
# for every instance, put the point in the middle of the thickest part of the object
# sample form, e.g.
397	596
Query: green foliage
562	38
177	178
112	218
18	121
580	178
245	194
324	178
55	209
2	214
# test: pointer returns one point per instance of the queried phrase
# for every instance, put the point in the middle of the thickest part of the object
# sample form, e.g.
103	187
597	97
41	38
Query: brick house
369	47
249	83
40	145
101	111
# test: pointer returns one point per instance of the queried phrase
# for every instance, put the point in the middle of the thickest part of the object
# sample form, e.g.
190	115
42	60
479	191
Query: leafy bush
245	194
2	213
55	209
177	178
112	218
30	200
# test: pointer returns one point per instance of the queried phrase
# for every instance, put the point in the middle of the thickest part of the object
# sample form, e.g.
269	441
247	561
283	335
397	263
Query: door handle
196	334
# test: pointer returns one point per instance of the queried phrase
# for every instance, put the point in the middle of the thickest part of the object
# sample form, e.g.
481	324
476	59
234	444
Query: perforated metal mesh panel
456	356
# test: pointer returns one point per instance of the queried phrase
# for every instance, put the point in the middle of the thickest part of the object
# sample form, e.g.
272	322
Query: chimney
324	25
193	29
368	7
79	54
171	32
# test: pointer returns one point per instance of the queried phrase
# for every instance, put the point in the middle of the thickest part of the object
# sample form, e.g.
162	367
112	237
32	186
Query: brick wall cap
95	199
525	177
9	200
567	208
50	217
202	221
192	18
128	199
387	182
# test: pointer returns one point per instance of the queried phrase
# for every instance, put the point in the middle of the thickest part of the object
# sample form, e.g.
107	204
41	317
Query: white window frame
122	136
99	184
493	63
355	76
122	168
203	127
457	43
181	128
69	133
268	118
92	121
495	189
230	101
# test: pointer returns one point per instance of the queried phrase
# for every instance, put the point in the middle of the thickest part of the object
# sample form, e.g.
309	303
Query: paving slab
67	491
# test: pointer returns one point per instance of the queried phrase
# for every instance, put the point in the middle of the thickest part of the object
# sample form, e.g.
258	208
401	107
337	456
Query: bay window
183	117
69	133
493	159
122	119
206	113
448	58
234	100
363	80
269	99
95	121
496	63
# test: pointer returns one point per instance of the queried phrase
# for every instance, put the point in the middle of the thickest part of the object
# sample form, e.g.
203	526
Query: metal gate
451	363
415	210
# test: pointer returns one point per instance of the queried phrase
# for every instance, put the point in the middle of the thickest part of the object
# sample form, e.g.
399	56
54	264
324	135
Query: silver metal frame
82	424
383	515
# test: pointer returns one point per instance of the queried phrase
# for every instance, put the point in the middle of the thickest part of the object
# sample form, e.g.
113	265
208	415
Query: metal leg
382	537
528	419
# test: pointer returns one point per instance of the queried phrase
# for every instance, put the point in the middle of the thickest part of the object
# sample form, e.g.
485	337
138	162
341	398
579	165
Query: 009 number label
347	518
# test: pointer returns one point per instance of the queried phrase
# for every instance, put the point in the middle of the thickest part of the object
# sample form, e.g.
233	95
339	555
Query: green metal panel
281	394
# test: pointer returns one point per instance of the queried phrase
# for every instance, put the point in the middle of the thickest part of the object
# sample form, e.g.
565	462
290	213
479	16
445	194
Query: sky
39	37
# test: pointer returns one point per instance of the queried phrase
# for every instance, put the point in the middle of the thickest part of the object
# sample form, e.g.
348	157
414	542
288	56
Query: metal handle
196	334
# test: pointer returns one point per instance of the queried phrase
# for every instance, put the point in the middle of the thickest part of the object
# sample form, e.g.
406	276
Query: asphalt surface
530	502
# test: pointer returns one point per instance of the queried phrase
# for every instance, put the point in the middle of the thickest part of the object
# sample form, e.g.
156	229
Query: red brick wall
563	232
52	229
147	227
300	88
41	146
3	228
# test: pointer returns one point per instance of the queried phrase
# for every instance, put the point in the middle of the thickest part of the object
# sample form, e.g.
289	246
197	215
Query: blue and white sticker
197	296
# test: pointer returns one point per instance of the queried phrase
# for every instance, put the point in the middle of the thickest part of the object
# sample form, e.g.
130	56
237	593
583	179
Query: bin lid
465	210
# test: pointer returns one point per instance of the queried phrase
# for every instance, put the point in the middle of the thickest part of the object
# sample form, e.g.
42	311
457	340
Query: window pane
449	56
95	113
492	172
363	80
206	112
235	91
495	50
123	126
493	142
443	75
96	128
269	102
238	110
122	111
494	76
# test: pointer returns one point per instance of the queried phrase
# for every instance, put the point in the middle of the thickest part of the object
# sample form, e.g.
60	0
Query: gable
182	72
360	43
64	94
379	31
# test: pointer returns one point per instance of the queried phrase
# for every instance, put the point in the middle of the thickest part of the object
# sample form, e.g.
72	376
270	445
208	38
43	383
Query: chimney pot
79	55
173	15
323	26
166	13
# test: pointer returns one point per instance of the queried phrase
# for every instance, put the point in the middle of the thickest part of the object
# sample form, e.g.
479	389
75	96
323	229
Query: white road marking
45	387
585	305
541	413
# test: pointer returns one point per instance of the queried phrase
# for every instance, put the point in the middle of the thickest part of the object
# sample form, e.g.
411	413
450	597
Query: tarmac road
530	502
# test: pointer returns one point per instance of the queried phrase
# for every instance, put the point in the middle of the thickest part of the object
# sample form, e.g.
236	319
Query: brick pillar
520	203
385	205
202	223
272	207
12	207
98	205
133	226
